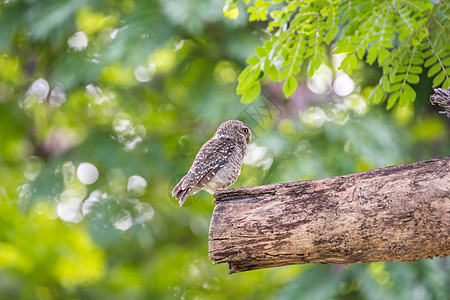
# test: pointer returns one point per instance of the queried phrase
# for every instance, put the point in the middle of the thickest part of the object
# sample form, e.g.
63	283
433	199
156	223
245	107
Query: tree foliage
404	38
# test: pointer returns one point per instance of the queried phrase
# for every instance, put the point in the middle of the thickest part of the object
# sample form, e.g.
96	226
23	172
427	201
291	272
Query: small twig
441	97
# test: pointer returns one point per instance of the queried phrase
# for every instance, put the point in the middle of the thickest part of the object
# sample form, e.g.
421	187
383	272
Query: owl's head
236	130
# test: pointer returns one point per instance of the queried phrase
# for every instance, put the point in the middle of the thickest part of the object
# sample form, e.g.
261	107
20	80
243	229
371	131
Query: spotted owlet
218	163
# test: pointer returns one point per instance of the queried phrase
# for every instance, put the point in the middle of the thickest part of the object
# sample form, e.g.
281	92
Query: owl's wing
213	156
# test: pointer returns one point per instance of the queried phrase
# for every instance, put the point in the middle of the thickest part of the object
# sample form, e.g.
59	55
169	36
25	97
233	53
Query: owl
218	163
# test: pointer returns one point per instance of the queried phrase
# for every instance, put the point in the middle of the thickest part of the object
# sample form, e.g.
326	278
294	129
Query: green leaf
416	70
252	93
261	52
413	79
274	73
388	36
387	44
314	64
284	53
253	61
403	100
295	69
285	73
430	61
427	53
232	12
434	70
349	63
392	99
372	54
352	65
426	6
331	34
290	85
446	84
259	75
360	52
417	61
342	46
395	87
377	94
391	74
438	79
385	84
354	39
382	55
402	69
266	67
409	92
398	78
415	42
404	34
261	3
247	78
446	62
244	80
263	14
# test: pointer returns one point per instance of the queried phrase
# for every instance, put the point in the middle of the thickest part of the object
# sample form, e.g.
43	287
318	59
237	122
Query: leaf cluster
402	37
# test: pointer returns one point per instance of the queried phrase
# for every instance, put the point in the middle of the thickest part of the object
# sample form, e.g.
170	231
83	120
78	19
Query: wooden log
399	213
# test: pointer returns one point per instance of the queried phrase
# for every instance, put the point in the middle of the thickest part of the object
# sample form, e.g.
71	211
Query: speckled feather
218	163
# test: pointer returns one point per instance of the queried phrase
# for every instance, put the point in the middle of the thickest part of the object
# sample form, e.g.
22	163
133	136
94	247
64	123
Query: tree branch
441	97
399	213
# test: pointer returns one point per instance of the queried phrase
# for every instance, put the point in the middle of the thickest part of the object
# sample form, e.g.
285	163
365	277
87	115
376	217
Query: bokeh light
123	220
136	185
87	173
320	83
78	41
69	206
145	74
313	116
343	85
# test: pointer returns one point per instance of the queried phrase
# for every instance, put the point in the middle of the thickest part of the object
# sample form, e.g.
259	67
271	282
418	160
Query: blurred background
103	106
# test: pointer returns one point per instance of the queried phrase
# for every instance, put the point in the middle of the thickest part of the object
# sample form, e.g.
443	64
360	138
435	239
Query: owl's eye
245	130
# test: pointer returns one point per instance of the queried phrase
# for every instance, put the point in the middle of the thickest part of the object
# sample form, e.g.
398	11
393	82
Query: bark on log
399	213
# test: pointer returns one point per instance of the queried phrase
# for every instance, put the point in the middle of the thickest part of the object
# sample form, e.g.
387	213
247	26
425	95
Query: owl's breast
228	174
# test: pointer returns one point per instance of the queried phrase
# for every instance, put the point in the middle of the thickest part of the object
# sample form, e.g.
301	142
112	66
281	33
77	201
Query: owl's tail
181	193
